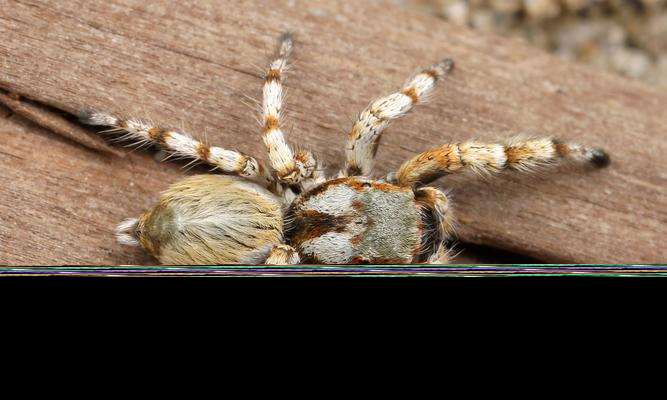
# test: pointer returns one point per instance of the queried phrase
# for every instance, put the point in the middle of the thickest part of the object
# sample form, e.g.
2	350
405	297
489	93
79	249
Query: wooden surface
192	66
56	122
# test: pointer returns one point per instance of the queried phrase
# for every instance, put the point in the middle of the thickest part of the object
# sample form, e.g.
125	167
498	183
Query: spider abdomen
355	220
212	219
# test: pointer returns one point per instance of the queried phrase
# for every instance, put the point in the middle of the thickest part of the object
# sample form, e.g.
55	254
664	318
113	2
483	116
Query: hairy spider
291	213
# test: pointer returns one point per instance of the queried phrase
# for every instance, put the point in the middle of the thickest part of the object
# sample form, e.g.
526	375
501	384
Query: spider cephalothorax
291	212
357	220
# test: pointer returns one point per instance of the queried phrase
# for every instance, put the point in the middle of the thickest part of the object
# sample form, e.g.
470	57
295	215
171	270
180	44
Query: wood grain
58	124
192	64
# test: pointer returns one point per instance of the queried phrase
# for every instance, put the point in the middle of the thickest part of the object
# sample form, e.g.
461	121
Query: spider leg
365	134
180	145
317	177
442	255
440	224
521	154
286	194
283	254
290	168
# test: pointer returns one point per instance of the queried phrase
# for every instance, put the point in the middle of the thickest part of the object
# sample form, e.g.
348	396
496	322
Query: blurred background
627	37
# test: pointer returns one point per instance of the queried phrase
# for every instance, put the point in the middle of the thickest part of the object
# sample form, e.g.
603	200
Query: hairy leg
440	224
180	144
364	137
486	158
290	168
283	254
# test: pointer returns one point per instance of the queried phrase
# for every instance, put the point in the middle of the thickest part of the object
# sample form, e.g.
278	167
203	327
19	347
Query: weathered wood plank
56	123
59	201
192	64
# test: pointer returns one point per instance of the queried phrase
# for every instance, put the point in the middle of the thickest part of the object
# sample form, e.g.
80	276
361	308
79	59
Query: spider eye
366	184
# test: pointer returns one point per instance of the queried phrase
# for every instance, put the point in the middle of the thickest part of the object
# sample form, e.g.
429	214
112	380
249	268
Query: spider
292	213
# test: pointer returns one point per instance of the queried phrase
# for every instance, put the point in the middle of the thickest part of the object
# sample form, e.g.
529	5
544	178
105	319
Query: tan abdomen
355	220
212	219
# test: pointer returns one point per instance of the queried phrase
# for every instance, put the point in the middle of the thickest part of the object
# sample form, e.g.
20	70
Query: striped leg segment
289	168
180	144
364	137
483	158
282	254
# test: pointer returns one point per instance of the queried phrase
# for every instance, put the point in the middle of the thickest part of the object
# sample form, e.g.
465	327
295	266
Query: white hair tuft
125	232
